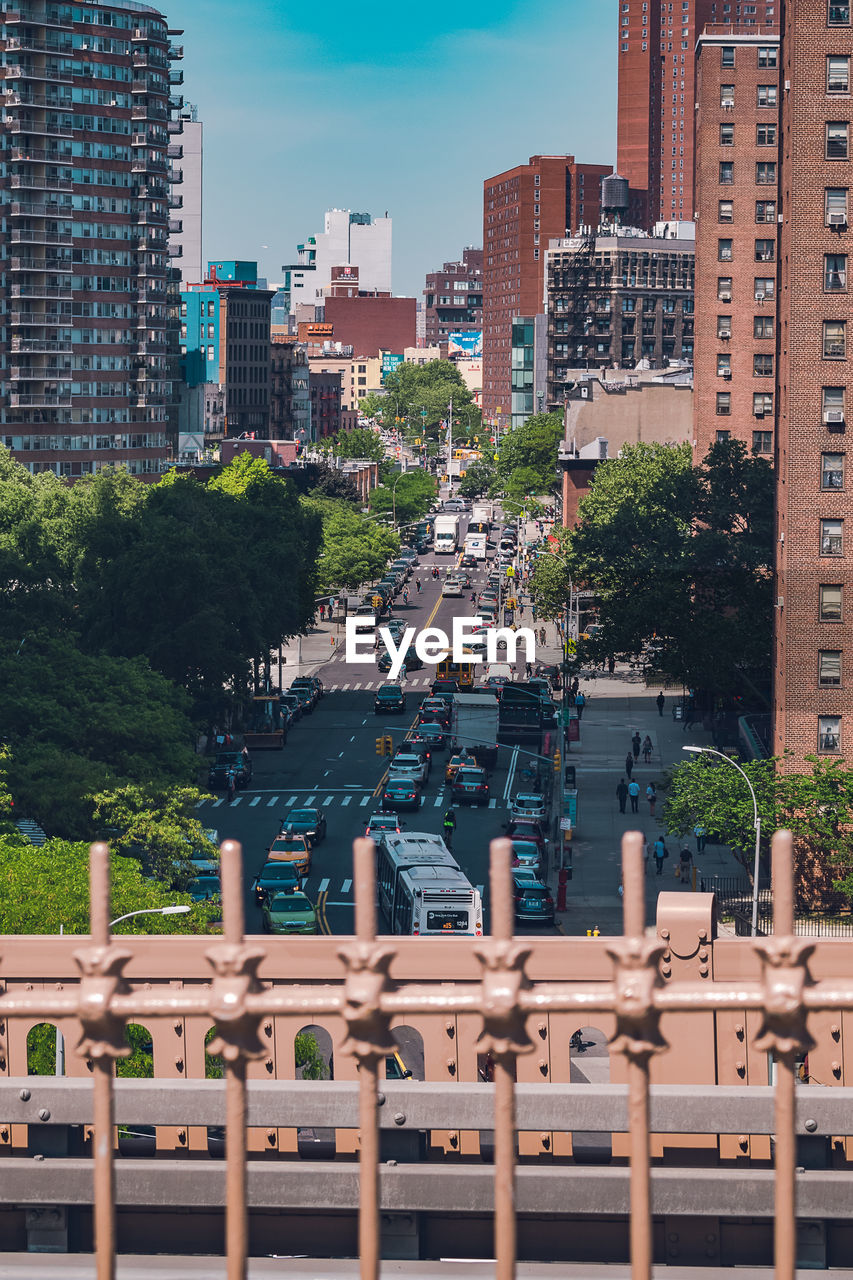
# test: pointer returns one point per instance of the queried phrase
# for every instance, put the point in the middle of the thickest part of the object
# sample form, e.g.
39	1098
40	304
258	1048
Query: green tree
550	585
309	1060
527	455
43	888
409	495
421	396
361	442
355	549
158	826
480	480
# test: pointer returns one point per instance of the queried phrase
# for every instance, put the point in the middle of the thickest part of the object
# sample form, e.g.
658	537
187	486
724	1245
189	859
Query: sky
385	107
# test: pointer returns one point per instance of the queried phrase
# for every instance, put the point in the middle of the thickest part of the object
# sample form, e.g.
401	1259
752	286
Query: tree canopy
408	494
355	549
361	442
418	397
527	456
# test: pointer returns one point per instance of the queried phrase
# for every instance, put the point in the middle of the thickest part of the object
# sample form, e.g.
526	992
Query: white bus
422	891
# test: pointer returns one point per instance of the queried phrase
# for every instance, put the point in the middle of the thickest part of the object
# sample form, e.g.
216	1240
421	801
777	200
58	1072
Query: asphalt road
330	762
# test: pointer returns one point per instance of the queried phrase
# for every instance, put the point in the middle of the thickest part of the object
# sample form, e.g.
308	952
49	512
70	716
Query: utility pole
450	442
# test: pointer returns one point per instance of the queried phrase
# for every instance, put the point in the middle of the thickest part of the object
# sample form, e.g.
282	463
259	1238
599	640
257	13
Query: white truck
482	511
446	533
475	545
474	724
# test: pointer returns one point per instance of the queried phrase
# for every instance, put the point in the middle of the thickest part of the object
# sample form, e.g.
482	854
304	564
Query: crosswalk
355	797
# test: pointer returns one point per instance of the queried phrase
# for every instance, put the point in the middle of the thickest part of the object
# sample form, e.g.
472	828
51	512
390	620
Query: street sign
565	824
510	571
571	647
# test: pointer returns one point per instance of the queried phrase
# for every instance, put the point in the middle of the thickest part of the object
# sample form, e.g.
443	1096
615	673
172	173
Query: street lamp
711	751
394	499
178	910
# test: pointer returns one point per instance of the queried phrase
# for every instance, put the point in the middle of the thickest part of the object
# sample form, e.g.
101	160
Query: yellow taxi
290	846
457	762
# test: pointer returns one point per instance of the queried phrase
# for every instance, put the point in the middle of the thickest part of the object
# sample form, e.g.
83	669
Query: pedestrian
405	595
636	743
611	664
322	613
634	793
575	685
580	703
622	794
660	700
647	750
651	796
542	635
685	862
660	852
533	607
629	764
701	837
528	669
418	585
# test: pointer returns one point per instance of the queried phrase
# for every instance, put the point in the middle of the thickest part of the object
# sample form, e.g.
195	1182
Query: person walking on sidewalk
622	794
701	837
636	743
580	703
685	862
647	750
611	664
418	585
660	700
660	852
651	796
634	793
629	764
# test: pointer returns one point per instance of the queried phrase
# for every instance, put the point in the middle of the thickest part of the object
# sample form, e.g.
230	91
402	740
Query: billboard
468	344
390	360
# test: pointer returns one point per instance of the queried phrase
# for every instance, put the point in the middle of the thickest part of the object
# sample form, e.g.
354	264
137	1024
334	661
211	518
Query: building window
728	57
837	139
767	95
765	211
829	602
724	365
762	366
765	135
727	135
727	173
727	96
836	206
723	436
724	326
829	735
183	308
724	403
832	471
763	327
837	75
762	404
832	404
726	211
832	537
835	272
829	668
764	287
838	13
765	251
835	339
765	173
724	250
768	56
762	442
724	288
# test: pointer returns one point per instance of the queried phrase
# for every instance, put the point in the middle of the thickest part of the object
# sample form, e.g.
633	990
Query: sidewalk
616	706
305	654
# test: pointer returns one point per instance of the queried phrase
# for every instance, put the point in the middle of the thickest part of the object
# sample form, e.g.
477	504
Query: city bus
422	891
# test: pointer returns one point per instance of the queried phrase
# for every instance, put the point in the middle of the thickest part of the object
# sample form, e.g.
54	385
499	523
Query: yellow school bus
447	669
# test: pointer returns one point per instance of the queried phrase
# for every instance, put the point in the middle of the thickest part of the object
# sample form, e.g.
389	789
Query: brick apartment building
813	709
523	210
90	315
290	400
737	139
453	298
617	300
368	321
655	128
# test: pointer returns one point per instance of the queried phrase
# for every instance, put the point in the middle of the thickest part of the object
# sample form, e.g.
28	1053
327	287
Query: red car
530	832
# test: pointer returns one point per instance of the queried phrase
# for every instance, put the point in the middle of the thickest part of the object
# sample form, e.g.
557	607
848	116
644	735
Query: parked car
290	912
239	761
293	705
533	902
304	688
470	786
525	853
526	829
527	806
293	848
272	878
307	822
305	696
205	888
401	793
389	698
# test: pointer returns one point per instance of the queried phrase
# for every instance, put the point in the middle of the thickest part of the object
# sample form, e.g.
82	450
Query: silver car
408	765
527	807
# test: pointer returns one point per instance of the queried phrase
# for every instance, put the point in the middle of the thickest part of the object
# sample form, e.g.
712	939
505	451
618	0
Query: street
330	762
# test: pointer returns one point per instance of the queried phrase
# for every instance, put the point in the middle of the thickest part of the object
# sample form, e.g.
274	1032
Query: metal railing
499	983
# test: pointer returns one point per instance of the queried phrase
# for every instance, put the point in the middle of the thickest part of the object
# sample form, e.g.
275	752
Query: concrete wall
627	414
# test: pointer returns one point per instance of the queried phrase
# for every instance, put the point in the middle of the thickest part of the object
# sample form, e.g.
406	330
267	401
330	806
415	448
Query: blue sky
383	106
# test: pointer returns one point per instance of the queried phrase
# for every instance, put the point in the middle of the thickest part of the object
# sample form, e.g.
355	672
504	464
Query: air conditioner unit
760	296
728	104
833	416
836	219
724	297
724	333
727	375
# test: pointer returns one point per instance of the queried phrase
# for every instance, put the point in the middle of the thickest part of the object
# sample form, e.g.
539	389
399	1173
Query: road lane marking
346	800
199	803
438	800
270	803
291	800
252	803
340	753
311	799
365	800
346	886
493	804
235	801
323	886
352	739
328	800
218	802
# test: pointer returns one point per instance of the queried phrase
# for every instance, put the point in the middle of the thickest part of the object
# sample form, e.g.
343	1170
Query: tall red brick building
523	209
453	298
813	708
656	93
737	140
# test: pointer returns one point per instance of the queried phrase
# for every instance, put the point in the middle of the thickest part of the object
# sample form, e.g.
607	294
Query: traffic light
384	746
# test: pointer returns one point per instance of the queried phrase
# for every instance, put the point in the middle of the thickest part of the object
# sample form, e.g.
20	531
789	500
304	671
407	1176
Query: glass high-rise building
90	330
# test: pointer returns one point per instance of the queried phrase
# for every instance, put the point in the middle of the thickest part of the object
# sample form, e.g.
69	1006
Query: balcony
39	16
37	373
175	151
39	346
51	319
25	181
34	400
176	201
176	226
38	237
28	209
30	289
50	74
175	127
176	76
53	101
175	175
53	155
39	264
